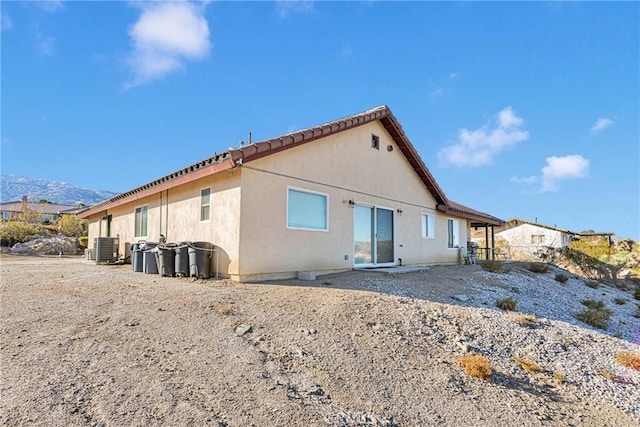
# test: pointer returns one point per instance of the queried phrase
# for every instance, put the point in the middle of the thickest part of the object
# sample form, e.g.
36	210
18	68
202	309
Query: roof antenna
249	138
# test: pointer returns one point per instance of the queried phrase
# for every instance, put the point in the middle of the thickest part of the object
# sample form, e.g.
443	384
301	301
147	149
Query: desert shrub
562	278
629	360
636	293
595	314
83	241
507	304
71	225
476	366
492	266
593	284
637	313
524	319
12	232
528	365
538	267
619	301
559	377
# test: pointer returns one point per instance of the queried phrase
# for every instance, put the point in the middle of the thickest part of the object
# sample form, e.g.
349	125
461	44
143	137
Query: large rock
47	245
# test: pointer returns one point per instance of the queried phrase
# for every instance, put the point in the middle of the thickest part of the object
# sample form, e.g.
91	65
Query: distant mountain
13	187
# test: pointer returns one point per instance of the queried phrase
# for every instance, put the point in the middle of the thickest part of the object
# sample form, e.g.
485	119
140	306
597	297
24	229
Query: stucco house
351	193
42	211
523	239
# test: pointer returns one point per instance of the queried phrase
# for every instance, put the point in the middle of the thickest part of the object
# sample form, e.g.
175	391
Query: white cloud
524	179
49	5
573	166
45	44
453	75
601	124
165	35
478	147
6	23
291	7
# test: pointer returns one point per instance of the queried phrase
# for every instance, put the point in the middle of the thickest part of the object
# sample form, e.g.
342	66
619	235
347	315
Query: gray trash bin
149	264
200	259
165	258
136	257
182	259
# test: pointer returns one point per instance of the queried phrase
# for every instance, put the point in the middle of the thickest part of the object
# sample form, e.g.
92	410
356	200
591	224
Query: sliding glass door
373	236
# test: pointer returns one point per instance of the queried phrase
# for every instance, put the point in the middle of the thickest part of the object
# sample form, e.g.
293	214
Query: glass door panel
384	236
363	235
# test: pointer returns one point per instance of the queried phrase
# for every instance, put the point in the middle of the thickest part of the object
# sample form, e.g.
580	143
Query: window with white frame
307	210
537	239
428	226
205	204
141	221
453	233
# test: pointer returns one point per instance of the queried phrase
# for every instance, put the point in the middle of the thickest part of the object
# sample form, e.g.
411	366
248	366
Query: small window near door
428	226
307	210
453	232
141	221
205	204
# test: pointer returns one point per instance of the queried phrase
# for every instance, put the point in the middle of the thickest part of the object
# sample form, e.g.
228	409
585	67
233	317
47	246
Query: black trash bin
182	259
136	257
165	258
149	264
200	259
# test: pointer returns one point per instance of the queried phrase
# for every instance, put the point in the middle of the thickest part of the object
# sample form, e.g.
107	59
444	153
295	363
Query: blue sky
526	110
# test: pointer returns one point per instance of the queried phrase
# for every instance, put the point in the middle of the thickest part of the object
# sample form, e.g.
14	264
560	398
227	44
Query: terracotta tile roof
245	154
472	214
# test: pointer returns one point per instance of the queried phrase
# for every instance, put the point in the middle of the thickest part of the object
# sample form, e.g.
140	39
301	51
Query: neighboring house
41	211
347	194
524	238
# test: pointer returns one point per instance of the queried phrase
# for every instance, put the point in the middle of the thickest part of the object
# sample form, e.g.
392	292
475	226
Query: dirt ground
92	345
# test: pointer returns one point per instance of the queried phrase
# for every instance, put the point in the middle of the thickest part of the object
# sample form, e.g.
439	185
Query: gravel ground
84	344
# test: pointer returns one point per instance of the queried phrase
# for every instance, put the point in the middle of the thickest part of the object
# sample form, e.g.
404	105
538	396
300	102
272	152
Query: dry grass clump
562	278
224	309
538	267
528	365
476	366
492	266
507	304
524	319
629	359
593	284
559	377
595	314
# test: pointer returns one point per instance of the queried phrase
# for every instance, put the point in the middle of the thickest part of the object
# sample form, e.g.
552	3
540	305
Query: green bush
595	314
538	267
12	232
507	304
562	278
492	266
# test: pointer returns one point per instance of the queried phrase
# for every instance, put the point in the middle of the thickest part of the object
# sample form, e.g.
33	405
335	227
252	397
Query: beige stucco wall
345	167
175	213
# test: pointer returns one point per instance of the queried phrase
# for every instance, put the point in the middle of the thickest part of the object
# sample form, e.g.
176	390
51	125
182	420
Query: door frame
374	241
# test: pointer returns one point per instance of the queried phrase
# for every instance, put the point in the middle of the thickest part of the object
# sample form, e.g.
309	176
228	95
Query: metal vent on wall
106	249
